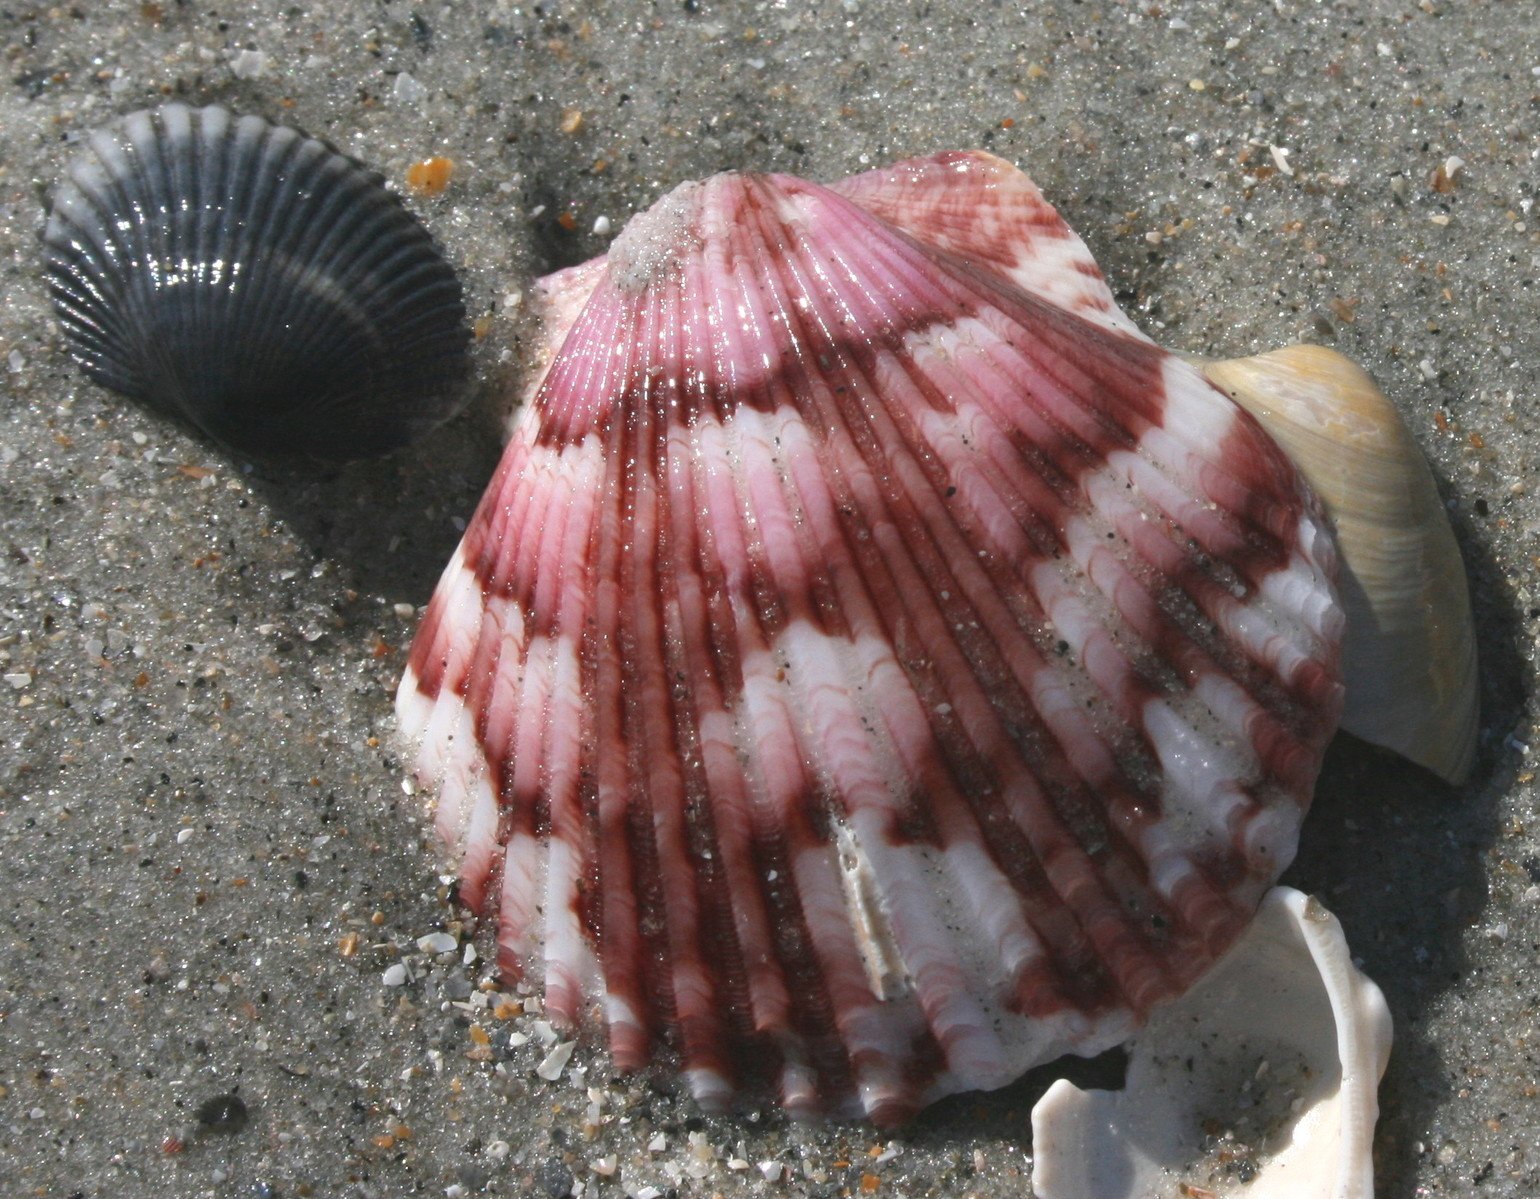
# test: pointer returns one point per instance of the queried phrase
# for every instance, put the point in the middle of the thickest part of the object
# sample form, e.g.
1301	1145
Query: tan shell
1409	655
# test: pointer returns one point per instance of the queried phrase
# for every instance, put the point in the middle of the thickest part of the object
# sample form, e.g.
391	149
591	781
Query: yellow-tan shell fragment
1409	654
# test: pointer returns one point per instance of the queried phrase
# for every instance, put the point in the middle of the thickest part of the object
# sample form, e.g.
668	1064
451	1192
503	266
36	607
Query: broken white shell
1281	1047
1409	655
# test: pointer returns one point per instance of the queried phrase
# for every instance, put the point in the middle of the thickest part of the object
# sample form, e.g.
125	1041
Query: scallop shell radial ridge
256	283
874	669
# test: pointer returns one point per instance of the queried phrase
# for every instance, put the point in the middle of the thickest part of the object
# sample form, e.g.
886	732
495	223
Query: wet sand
209	864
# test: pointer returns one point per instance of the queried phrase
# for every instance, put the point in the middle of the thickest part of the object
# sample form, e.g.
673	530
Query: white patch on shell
1198	762
654	241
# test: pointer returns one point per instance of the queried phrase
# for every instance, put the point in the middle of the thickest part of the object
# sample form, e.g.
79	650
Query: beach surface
214	879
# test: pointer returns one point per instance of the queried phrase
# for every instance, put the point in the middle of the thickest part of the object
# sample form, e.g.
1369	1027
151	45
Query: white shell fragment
1260	1083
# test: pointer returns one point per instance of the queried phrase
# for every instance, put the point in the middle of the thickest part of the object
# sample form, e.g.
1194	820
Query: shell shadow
391	523
1005	1115
1400	856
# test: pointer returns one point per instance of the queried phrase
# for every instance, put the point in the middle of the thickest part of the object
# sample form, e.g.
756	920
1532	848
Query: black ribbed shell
255	282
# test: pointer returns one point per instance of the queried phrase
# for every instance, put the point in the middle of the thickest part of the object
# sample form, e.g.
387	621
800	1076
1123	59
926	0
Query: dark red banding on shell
875	668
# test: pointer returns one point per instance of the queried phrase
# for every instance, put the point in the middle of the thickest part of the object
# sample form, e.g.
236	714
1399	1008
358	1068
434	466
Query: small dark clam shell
255	282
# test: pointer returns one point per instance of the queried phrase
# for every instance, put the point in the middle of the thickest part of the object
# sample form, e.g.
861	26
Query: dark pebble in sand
223	1113
553	1179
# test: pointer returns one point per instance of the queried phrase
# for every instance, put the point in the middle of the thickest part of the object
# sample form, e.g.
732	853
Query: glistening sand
201	809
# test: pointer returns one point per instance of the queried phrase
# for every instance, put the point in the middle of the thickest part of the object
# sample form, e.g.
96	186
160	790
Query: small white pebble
395	975
602	225
249	64
454	1191
408	91
19	679
1281	159
771	1171
405	611
556	1061
498	1150
17	361
183	837
658	1143
605	1166
440	942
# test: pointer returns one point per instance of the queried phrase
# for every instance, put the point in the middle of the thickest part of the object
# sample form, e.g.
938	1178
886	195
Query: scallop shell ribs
875	668
255	283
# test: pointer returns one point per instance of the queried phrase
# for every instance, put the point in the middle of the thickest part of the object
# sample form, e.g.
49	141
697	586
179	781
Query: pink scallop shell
875	668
